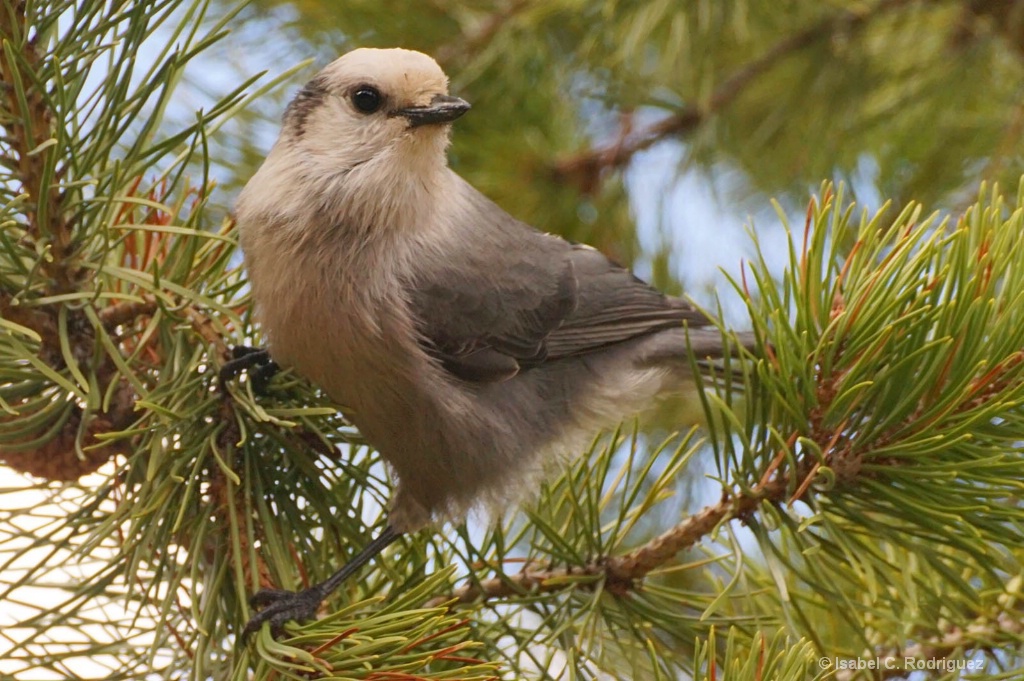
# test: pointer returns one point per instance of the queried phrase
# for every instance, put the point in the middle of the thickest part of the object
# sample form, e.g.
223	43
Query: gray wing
538	299
613	305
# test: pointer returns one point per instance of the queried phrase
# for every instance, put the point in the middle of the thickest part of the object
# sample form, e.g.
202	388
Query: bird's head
373	106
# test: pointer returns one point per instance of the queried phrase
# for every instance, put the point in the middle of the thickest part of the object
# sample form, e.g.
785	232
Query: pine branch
622	573
29	123
80	268
585	169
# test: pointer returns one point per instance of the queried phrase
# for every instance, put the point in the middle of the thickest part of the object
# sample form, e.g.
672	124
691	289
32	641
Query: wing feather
528	298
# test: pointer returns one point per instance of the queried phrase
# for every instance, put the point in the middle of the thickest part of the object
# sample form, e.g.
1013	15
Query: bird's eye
367	99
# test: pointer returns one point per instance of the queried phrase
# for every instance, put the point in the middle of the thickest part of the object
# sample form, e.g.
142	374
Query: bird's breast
355	341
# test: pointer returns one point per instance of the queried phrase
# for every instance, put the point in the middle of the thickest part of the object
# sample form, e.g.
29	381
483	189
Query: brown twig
207	330
622	572
26	128
584	169
127	312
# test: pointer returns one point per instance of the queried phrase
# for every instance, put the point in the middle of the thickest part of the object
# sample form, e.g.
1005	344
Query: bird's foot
278	606
256	360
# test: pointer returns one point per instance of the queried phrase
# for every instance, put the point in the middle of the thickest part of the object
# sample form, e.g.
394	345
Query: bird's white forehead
405	73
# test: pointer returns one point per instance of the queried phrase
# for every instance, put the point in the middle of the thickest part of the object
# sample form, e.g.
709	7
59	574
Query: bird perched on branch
469	348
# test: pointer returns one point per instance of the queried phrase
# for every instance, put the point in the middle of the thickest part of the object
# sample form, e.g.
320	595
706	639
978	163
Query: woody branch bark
621	573
28	122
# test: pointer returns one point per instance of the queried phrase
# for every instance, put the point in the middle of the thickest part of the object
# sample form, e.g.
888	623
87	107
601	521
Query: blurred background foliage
901	99
656	130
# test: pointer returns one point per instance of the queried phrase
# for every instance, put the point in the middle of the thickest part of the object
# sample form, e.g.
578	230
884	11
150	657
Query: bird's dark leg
278	606
257	360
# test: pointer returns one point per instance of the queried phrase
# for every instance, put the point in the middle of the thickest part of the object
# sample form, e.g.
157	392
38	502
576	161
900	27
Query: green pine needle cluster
881	431
379	638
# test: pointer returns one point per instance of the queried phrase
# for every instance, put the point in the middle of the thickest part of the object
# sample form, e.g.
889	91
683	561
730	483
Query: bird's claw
257	360
278	607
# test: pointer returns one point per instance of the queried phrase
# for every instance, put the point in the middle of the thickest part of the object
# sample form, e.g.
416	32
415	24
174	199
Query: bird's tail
703	343
719	357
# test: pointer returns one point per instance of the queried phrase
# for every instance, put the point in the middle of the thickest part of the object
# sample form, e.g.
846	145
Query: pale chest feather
321	319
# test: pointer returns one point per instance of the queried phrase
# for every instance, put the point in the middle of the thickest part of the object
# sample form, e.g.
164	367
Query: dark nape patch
308	98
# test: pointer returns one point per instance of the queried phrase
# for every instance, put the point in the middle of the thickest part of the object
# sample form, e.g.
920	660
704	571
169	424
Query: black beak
442	109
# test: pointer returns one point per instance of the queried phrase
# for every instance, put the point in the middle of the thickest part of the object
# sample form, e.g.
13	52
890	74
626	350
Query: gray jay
469	348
